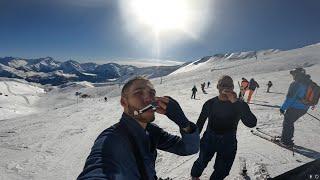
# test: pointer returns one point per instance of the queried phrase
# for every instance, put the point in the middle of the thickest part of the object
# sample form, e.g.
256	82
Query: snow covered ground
18	98
49	135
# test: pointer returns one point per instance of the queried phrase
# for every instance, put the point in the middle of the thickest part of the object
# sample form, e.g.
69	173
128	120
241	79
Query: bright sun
161	24
162	15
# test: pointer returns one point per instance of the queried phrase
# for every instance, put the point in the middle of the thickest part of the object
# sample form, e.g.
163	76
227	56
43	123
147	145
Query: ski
274	139
263	132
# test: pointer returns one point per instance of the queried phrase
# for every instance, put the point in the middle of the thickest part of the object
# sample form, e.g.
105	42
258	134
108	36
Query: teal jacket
295	93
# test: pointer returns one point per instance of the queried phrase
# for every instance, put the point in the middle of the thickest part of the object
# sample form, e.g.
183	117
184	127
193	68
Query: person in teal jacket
293	108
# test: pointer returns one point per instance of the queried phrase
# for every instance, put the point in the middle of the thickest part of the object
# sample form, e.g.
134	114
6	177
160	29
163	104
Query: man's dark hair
225	80
128	84
298	71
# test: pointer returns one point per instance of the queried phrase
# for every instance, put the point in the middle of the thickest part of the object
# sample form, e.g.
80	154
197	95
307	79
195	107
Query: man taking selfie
128	149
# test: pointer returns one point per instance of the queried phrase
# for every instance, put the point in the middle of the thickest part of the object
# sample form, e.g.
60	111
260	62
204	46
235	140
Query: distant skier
269	86
194	92
202	88
223	113
252	87
243	88
105	99
293	107
208	84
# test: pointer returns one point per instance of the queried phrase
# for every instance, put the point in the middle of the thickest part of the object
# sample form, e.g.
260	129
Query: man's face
140	94
225	87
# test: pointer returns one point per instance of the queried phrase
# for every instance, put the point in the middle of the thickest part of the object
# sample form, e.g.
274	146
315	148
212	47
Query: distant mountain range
49	71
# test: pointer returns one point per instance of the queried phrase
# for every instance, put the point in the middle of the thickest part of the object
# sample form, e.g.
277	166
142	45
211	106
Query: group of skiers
251	87
302	94
247	86
194	89
128	149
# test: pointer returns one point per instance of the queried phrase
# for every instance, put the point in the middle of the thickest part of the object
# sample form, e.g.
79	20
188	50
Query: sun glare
161	24
162	15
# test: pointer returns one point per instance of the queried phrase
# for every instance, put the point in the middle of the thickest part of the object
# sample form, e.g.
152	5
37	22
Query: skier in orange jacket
243	88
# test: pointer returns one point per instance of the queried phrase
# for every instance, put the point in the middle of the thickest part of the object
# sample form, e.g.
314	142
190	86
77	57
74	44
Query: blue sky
96	30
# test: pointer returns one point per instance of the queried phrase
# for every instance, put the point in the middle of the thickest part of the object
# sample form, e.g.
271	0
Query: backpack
312	95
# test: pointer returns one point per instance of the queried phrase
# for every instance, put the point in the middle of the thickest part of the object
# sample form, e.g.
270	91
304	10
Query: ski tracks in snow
23	96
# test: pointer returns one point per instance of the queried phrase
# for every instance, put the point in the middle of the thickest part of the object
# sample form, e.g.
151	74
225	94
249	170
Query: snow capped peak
71	62
268	52
49	61
89	67
242	55
71	66
16	63
236	55
76	85
204	59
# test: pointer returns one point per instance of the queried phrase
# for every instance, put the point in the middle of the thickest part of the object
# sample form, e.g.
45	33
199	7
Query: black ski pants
225	146
290	117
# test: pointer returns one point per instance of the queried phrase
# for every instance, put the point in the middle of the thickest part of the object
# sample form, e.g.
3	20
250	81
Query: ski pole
313	116
292	151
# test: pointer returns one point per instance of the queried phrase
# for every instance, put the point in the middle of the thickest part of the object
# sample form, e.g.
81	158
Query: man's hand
171	108
162	104
231	95
282	111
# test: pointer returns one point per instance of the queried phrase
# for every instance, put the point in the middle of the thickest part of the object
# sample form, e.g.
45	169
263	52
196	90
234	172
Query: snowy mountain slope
54	142
71	67
226	57
18	99
284	60
6	71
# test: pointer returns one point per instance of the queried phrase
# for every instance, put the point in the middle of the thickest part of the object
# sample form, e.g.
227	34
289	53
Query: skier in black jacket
269	86
194	92
252	87
224	113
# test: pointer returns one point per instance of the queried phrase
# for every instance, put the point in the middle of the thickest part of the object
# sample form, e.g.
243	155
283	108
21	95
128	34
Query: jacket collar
134	127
